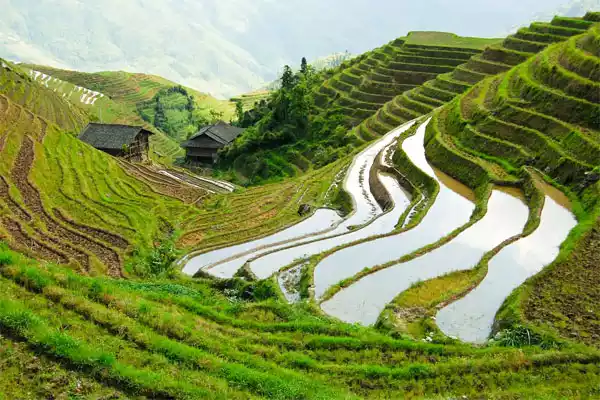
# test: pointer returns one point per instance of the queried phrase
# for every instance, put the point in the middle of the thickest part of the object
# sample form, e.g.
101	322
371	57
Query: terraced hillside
183	339
543	114
16	83
91	305
249	100
119	96
332	103
494	60
379	76
65	202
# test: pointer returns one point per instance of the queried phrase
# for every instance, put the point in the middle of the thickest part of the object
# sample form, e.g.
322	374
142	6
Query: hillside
120	97
544	114
82	206
379	90
495	59
336	101
421	222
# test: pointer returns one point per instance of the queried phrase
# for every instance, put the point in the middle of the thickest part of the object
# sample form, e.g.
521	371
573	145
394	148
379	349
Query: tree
160	119
287	79
215	116
304	66
239	112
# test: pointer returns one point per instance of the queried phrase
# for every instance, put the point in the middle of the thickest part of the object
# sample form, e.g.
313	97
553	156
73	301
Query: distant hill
228	47
122	97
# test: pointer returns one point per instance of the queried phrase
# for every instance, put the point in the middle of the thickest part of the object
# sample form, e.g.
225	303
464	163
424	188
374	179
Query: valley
420	221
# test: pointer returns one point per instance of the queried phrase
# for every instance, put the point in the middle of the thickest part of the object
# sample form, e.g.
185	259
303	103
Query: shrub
6	259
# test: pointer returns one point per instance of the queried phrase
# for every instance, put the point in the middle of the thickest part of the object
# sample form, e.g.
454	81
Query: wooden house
129	142
204	145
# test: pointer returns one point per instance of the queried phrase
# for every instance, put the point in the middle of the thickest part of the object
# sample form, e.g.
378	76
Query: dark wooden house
129	142
204	145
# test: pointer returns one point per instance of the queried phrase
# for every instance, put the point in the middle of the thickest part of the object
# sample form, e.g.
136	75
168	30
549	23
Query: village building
129	142
204	145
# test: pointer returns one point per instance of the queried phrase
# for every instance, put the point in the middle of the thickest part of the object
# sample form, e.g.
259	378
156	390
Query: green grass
365	83
185	339
448	40
71	331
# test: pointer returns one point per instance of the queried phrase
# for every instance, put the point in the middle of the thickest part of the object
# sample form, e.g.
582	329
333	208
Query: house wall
205	152
138	149
201	155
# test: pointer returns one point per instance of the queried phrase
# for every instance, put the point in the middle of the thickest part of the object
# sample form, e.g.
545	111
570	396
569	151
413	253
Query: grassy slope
497	57
184	339
86	208
125	91
65	201
250	99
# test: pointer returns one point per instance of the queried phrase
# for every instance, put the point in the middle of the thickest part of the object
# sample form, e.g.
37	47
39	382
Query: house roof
221	132
113	137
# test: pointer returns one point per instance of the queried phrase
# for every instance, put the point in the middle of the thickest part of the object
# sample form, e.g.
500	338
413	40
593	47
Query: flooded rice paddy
265	266
471	318
363	301
227	261
452	208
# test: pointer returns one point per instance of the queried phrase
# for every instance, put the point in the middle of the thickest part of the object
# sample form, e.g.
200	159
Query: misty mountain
231	46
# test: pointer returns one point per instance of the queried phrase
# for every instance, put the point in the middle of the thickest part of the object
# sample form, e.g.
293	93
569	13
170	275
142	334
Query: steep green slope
494	60
16	83
171	337
543	114
380	90
66	202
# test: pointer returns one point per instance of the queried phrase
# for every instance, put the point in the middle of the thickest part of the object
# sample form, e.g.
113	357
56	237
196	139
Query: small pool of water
289	282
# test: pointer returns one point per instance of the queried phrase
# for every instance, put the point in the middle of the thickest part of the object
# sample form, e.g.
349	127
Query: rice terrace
418	221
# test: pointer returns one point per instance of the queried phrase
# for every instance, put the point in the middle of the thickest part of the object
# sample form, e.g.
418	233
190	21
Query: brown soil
3	105
164	185
191	239
43	130
2	141
31	196
566	296
114	240
14	207
30	245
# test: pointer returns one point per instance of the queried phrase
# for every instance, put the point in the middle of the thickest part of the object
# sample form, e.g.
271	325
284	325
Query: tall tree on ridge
304	66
